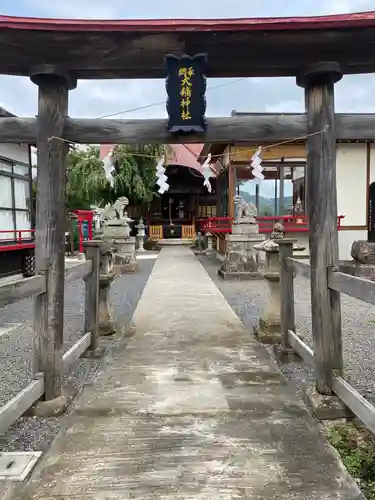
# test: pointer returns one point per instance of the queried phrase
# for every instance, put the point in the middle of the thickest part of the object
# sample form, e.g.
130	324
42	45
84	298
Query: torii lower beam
249	129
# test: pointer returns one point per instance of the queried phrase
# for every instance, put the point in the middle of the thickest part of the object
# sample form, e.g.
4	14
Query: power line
146	106
251	148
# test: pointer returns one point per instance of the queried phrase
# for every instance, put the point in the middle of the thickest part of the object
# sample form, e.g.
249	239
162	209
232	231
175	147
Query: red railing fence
291	223
16	239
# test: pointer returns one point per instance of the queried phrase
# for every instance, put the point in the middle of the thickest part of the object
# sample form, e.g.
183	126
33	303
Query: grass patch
357	451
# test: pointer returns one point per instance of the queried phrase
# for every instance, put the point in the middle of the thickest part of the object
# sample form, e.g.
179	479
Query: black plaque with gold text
186	88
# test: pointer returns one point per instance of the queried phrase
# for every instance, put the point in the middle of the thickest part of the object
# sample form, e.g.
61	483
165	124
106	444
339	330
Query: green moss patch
357	451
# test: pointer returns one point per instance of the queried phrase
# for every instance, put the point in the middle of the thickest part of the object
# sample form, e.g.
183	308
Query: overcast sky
96	98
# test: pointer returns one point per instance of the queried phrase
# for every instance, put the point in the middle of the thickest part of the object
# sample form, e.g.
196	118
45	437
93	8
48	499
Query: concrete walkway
193	408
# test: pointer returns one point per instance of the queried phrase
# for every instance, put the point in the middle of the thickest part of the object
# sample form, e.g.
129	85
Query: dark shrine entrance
176	213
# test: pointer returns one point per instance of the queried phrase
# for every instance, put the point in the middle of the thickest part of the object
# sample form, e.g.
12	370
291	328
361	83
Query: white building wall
346	239
351	182
298	172
351	179
16	152
351	172
372	163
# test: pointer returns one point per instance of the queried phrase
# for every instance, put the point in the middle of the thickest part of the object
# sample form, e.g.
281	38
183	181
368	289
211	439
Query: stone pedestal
125	248
325	407
117	233
269	328
242	261
124	260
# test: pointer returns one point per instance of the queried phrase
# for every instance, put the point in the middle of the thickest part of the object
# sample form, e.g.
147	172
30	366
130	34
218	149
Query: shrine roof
136	48
362	19
186	155
4	113
182	155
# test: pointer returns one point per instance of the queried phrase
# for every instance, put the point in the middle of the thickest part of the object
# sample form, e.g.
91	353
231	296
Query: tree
85	179
134	175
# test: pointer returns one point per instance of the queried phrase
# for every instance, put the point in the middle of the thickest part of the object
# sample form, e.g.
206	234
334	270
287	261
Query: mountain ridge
266	205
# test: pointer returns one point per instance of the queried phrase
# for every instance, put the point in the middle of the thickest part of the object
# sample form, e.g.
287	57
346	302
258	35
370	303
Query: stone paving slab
193	408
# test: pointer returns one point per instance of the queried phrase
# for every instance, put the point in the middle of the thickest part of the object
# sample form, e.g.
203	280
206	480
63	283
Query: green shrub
357	451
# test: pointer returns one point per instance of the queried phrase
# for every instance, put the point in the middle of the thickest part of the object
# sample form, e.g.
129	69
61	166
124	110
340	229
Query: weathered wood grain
287	318
21	289
358	288
361	408
252	128
50	232
78	271
306	353
76	351
18	405
300	267
226	130
322	212
18	130
92	251
113	53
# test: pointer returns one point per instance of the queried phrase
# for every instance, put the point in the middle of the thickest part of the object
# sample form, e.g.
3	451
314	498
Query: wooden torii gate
56	53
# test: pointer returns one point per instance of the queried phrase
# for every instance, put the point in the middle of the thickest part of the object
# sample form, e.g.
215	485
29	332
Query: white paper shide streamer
106	155
256	164
161	178
206	170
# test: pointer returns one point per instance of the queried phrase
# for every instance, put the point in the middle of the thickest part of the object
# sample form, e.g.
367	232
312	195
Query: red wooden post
84	216
80	234
90	225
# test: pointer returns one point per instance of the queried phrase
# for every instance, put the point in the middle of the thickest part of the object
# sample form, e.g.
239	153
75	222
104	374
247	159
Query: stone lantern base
363	263
123	264
242	261
106	323
268	331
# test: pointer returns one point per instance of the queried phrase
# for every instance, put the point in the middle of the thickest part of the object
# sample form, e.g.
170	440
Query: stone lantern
106	277
141	235
268	330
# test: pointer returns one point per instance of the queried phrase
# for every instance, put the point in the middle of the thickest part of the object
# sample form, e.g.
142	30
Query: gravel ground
16	352
248	300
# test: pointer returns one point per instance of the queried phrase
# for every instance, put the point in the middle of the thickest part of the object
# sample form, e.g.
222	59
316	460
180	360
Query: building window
6	166
5	192
15	200
222	194
7	225
299	195
22	194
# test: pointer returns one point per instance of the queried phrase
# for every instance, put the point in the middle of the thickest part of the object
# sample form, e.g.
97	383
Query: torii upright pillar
54	87
318	82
